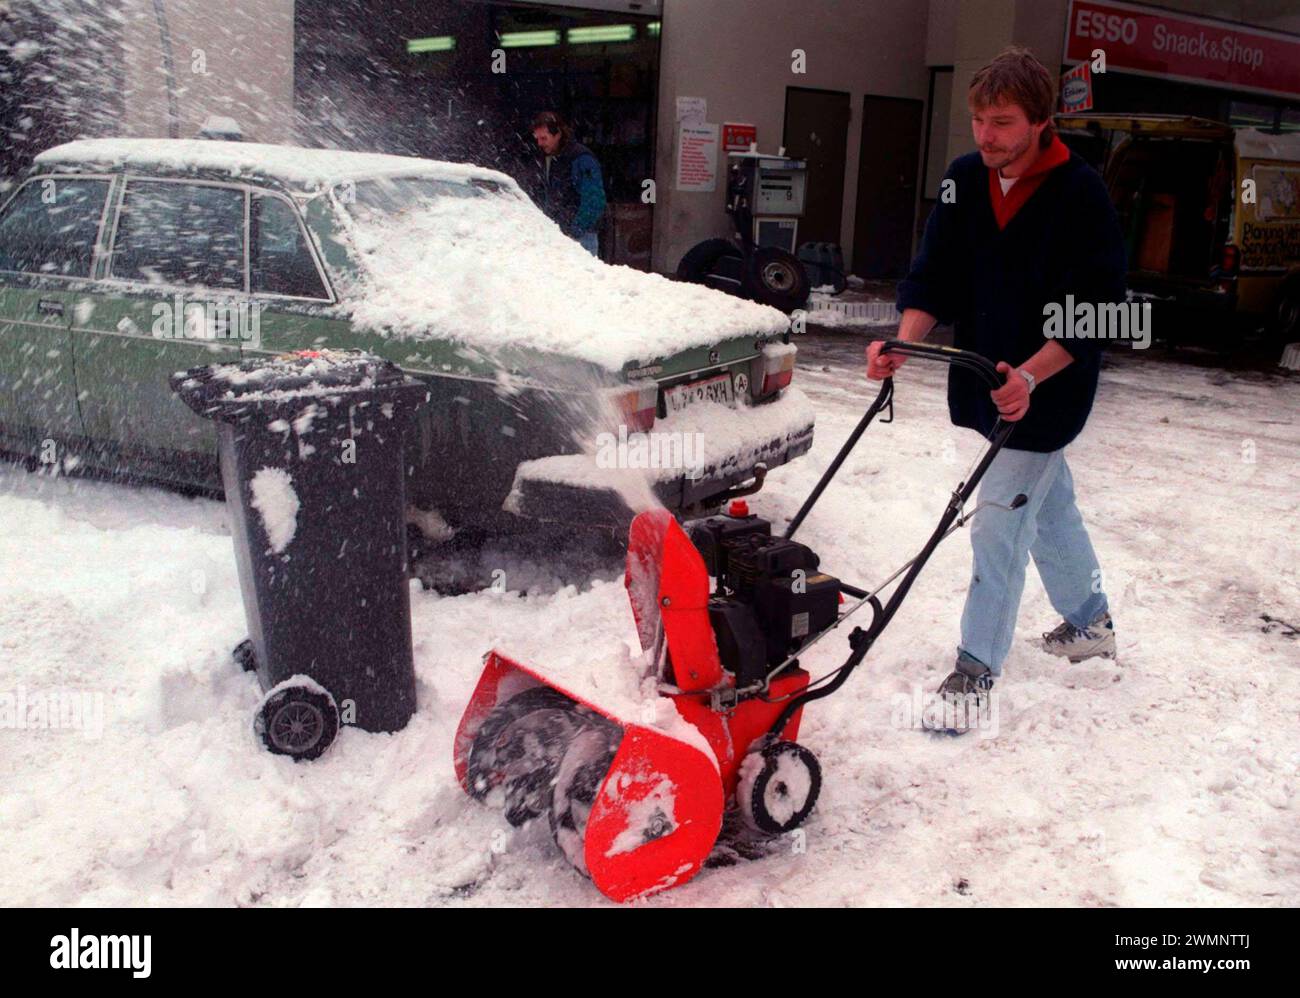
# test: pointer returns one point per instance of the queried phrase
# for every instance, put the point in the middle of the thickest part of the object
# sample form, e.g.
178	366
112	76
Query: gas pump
765	200
769	191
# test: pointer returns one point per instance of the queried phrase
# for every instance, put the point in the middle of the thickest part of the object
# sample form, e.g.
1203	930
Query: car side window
51	225
280	261
171	233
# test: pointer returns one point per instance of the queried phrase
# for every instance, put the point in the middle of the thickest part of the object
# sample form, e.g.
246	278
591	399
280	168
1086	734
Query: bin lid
271	386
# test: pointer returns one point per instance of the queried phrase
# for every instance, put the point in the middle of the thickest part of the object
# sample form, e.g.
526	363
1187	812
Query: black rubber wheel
777	278
581	772
244	655
778	787
518	748
715	263
298	721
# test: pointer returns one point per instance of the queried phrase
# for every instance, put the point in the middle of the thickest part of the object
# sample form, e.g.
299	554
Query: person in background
574	191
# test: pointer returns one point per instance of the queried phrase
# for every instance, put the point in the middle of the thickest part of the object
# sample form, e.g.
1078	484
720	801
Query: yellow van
1211	216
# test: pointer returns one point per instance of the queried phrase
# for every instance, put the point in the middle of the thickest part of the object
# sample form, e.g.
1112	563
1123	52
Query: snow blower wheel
299	720
519	748
778	787
583	769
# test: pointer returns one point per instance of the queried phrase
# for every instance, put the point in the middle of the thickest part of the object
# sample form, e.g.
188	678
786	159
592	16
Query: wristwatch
1028	377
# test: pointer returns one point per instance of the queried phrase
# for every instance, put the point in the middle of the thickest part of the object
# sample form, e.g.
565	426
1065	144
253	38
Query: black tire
777	278
715	263
778	789
298	721
519	747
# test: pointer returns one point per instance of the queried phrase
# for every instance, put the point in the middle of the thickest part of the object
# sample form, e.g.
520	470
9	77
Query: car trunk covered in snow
581	355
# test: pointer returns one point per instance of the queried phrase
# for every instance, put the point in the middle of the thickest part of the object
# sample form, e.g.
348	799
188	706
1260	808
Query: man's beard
1004	159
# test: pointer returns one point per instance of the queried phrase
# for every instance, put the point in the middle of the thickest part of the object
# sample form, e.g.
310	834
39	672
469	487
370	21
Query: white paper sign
692	110
697	158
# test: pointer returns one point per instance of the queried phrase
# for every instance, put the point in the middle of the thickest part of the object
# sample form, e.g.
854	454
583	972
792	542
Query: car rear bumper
687	463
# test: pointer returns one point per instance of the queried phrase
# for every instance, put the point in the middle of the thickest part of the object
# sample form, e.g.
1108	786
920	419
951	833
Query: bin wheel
777	278
297	720
244	656
778	787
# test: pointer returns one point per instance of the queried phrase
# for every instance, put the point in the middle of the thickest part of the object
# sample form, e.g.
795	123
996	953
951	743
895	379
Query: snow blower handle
971	361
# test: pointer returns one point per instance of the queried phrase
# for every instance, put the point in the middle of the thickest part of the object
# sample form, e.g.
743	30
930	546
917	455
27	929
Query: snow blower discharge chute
637	803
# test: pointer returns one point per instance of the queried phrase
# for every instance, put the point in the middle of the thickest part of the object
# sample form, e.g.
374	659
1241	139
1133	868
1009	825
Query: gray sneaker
962	700
1079	643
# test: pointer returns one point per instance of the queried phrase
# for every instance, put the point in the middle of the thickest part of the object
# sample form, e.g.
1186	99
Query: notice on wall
692	110
738	137
697	158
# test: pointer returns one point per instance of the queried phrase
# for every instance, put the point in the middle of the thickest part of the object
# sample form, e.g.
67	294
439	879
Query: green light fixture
528	39
602	34
440	43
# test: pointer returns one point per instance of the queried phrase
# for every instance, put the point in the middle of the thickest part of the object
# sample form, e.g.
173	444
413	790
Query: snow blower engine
770	597
635	780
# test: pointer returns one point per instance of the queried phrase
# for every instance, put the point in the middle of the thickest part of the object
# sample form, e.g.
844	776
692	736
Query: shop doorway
817	130
883	228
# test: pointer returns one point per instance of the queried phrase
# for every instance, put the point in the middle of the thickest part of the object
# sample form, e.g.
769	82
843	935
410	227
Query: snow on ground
1168	778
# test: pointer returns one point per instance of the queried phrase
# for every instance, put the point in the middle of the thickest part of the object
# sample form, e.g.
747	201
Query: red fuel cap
738	507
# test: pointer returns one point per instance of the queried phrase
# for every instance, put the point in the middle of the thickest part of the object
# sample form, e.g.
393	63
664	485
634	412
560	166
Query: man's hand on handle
1012	399
881	366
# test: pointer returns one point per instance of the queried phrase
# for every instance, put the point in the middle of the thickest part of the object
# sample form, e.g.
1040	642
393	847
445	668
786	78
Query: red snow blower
637	802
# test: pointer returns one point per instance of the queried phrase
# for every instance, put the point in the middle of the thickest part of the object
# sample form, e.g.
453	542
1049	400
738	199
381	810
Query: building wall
737	55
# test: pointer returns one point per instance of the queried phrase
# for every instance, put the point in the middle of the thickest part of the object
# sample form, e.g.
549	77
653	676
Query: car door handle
49	306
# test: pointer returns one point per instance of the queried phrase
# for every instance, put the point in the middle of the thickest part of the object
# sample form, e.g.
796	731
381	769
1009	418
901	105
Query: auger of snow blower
635	792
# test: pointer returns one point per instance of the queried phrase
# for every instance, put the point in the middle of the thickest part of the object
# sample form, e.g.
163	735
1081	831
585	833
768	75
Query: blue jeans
590	242
1050	528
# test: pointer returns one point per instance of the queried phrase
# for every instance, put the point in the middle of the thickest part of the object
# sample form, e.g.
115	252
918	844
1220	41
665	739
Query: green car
557	382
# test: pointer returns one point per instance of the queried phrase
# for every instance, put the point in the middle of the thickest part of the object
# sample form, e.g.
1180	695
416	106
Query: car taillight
1231	261
636	405
778	366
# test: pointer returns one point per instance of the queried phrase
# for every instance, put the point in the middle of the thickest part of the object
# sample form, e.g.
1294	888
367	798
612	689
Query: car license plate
715	389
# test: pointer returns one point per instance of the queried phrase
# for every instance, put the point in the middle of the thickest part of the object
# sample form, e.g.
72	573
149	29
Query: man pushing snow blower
1025	223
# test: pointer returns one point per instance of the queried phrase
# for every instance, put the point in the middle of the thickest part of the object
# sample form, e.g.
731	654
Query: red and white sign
1152	42
738	138
697	158
1076	89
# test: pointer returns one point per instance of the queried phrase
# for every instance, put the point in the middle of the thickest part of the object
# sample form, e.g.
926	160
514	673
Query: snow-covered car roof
294	166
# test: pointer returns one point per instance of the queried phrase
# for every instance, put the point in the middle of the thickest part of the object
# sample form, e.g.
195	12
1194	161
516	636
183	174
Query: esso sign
1105	27
1074	92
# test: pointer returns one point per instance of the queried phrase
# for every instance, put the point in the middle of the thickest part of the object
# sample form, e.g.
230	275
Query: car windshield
394	197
